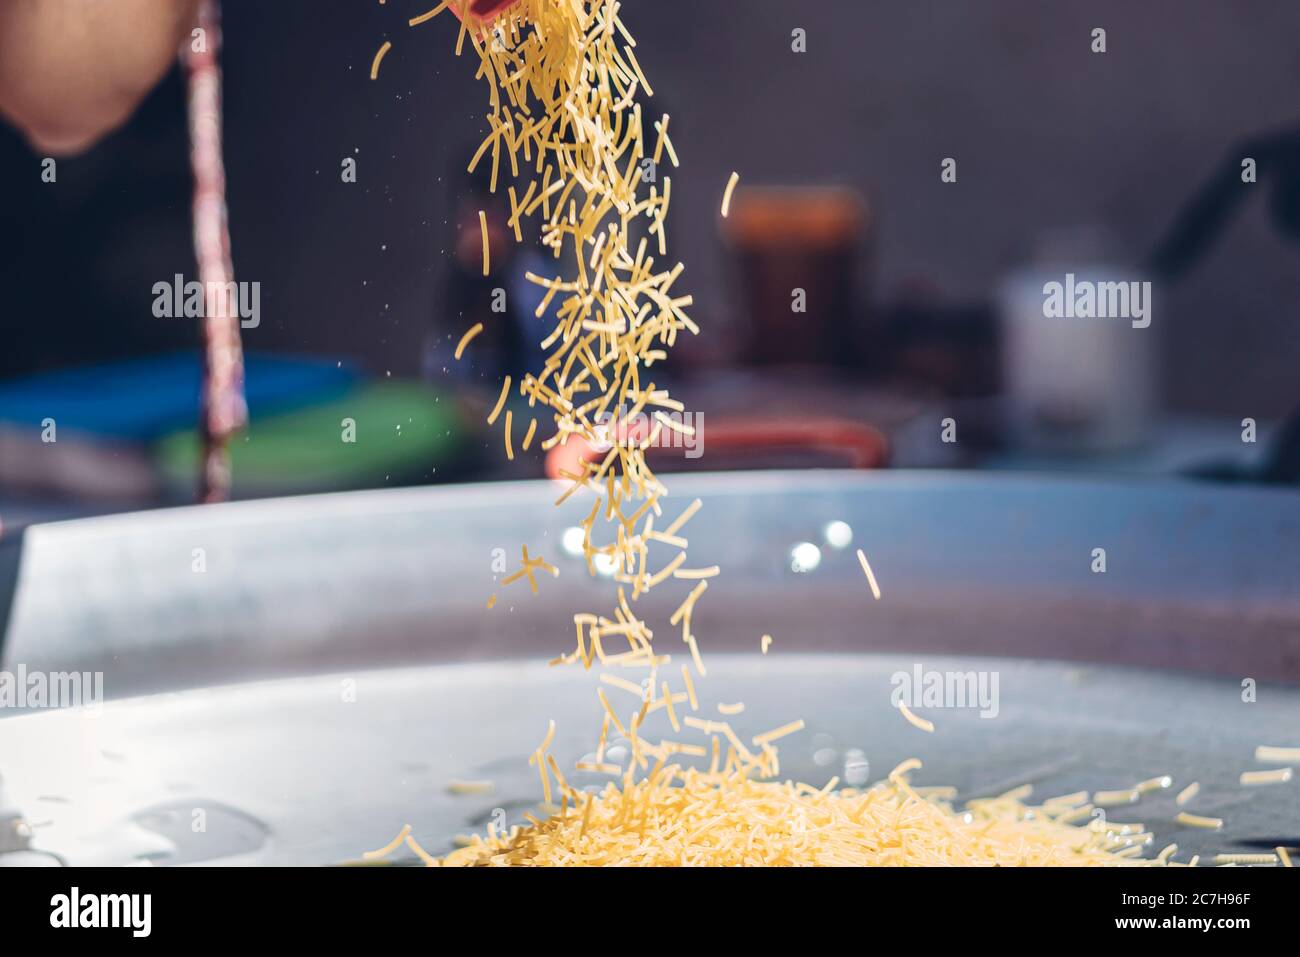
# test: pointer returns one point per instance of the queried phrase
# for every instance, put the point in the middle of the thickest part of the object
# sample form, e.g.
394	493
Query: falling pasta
391	846
1196	820
1253	778
416	21
501	401
871	576
468	337
1270	754
379	55
915	720
1222	859
726	194
565	126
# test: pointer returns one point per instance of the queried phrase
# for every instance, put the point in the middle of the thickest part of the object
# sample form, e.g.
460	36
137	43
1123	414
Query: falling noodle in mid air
379	56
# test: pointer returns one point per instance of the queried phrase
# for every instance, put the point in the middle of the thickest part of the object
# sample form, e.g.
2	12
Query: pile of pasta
677	817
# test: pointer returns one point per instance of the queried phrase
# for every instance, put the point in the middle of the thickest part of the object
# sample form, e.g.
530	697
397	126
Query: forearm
72	70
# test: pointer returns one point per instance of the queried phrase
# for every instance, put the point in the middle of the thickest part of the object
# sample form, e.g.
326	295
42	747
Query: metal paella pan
333	671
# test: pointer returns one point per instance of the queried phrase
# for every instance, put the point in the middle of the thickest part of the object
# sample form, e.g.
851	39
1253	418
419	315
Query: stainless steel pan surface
333	669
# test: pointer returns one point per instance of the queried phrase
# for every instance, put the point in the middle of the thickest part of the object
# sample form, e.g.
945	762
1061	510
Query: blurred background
922	341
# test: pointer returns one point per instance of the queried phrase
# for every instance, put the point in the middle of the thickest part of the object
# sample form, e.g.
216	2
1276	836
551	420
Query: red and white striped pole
222	409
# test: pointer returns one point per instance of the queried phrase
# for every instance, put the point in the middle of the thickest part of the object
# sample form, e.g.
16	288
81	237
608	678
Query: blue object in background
142	400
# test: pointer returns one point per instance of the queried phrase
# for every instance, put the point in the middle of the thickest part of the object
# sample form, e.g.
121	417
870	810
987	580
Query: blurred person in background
90	90
94	85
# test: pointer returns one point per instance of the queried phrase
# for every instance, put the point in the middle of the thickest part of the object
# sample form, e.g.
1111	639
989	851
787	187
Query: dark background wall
1045	132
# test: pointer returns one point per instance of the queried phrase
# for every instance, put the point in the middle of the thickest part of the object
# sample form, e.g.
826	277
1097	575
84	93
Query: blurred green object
384	433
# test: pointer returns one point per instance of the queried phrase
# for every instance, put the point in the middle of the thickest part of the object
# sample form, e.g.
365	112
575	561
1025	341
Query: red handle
482	9
863	446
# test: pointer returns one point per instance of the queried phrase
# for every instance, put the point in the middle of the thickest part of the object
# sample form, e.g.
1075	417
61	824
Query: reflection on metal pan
1198	577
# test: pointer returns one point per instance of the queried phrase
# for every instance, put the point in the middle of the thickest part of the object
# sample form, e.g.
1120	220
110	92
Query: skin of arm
73	70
